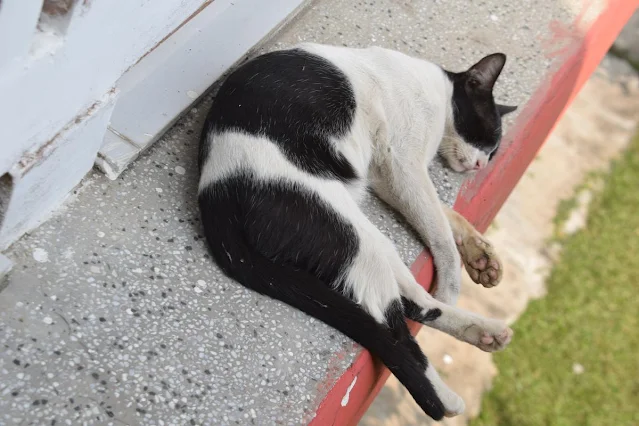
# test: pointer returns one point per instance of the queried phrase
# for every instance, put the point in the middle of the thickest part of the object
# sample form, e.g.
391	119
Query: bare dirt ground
594	130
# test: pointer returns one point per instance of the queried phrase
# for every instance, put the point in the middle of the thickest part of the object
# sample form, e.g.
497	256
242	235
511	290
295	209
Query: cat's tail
307	293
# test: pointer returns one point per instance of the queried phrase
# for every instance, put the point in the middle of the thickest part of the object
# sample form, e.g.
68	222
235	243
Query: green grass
590	316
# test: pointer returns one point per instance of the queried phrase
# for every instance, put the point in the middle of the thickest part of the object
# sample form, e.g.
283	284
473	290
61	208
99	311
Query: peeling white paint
47	174
46	41
348	392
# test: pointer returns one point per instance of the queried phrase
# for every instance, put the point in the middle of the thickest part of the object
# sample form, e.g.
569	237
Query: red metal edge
481	198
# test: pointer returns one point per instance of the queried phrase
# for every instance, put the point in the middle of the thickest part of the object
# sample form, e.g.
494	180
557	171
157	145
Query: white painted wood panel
171	77
42	181
44	90
18	21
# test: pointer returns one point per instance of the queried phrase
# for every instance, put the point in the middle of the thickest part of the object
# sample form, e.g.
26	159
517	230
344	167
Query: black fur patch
475	112
414	312
396	321
289	225
296	99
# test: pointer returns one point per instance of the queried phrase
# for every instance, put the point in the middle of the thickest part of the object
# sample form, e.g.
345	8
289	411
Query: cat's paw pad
495	342
481	261
491	338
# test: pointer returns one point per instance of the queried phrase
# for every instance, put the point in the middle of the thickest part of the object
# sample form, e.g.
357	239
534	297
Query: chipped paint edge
347	395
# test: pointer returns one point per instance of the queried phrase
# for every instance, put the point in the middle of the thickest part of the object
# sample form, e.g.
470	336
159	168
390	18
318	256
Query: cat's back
292	87
384	68
294	99
311	88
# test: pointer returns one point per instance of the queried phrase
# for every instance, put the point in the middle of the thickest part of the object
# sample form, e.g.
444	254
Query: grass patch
590	317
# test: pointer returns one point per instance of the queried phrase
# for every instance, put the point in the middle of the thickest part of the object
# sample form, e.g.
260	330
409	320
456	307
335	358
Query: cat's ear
505	109
484	73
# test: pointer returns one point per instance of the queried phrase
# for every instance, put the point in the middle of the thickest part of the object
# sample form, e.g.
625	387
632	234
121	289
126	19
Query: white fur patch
453	404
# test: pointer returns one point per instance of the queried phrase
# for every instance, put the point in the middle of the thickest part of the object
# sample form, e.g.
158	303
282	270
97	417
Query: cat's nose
478	165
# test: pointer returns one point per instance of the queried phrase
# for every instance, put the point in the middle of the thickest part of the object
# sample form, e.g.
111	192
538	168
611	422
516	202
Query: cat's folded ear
505	109
484	73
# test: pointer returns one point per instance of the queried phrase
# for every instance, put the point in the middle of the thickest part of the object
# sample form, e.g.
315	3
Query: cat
291	143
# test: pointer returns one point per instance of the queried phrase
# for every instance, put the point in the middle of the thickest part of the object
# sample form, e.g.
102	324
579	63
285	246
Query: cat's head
473	133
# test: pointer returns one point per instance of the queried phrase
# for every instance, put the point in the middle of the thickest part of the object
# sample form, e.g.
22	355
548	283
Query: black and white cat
291	143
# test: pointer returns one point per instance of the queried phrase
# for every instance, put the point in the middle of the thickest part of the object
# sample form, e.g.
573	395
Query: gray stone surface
114	312
627	44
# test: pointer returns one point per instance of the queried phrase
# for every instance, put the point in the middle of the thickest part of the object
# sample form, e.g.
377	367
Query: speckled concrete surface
115	314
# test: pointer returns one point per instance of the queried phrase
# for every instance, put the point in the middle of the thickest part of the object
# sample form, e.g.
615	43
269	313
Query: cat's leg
479	257
314	249
408	188
487	334
371	282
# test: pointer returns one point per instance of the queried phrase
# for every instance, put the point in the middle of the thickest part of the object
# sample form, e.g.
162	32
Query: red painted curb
481	198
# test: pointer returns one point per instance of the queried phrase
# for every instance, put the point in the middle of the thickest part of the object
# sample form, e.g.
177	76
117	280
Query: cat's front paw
481	261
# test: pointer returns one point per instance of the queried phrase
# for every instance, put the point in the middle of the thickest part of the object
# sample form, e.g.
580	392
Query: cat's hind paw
481	261
491	336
